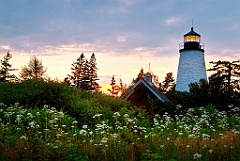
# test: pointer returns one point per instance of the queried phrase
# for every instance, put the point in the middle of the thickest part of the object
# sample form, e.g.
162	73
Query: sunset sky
125	35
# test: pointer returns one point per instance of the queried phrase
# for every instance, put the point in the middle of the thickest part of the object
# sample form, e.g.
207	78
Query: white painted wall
191	68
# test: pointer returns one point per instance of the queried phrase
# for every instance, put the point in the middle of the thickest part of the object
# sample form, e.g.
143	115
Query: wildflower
236	132
64	126
10	108
114	135
58	135
61	114
178	106
126	115
129	120
205	136
51	121
2	104
196	156
23	111
30	115
23	138
210	151
74	122
90	133
104	140
32	124
45	106
116	114
84	126
191	136
18	119
97	115
83	132
187	146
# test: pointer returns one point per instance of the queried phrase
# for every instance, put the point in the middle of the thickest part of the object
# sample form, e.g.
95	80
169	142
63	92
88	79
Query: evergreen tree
6	68
93	73
229	72
84	73
114	87
140	75
34	69
169	83
77	71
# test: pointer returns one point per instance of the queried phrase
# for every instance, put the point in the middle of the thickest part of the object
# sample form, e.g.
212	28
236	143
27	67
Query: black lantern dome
192	41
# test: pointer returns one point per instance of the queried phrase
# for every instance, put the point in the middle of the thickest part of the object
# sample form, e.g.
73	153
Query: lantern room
192	36
192	41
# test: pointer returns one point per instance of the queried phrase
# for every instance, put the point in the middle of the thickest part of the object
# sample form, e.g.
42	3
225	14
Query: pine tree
169	83
78	70
114	87
141	75
84	73
6	68
34	69
229	73
93	73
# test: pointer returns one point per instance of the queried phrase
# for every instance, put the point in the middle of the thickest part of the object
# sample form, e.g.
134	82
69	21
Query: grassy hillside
52	121
80	104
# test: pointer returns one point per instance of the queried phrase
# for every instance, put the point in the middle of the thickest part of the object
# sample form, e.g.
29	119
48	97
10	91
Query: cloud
5	47
128	2
171	20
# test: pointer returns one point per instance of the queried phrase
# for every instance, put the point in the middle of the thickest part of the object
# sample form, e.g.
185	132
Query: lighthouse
191	66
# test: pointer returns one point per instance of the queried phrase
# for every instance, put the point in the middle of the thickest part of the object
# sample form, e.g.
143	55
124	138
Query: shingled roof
151	88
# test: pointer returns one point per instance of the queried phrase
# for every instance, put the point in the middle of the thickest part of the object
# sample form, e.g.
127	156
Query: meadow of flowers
47	134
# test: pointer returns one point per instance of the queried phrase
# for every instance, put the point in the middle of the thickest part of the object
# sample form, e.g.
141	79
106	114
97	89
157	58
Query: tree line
222	87
83	72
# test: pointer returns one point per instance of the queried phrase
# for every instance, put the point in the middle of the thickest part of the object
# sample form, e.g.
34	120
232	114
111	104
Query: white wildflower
97	115
114	135
32	124
74	122
116	114
23	138
104	140
83	132
196	156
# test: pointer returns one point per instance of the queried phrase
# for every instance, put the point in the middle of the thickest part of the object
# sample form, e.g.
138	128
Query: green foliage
48	134
80	104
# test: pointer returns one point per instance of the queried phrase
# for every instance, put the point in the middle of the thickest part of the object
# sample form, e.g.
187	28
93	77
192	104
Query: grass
50	134
52	121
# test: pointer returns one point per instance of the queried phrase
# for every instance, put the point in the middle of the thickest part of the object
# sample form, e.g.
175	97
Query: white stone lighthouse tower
191	66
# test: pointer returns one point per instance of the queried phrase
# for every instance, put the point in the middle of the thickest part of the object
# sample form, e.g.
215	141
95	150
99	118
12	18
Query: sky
125	35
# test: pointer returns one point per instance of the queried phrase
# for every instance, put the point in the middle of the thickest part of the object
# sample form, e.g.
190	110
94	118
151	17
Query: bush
80	104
